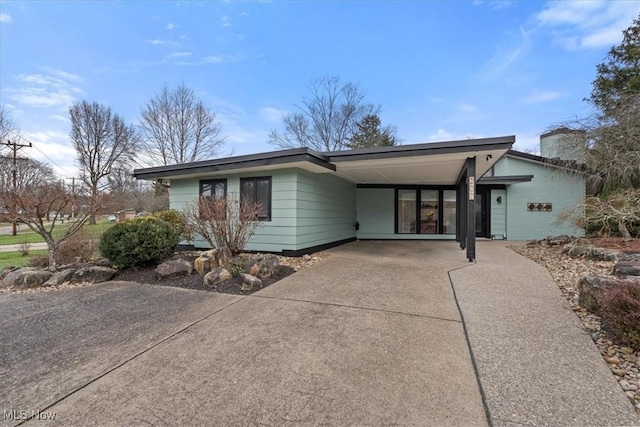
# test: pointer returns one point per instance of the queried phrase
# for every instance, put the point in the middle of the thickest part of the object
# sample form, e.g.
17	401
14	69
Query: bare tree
28	172
621	208
101	139
7	126
32	204
327	119
224	221
178	127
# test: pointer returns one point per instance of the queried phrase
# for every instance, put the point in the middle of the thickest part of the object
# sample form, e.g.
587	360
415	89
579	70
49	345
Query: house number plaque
472	188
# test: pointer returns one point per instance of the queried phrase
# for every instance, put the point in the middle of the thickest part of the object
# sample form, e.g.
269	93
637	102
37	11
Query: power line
15	146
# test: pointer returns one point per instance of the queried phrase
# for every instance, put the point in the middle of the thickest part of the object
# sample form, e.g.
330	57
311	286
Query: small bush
177	220
80	247
140	241
620	310
39	261
235	267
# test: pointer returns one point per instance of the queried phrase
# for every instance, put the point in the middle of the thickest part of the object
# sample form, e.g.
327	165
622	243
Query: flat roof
437	162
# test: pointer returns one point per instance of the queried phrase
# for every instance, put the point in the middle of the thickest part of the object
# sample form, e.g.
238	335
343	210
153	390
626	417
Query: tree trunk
53	257
622	227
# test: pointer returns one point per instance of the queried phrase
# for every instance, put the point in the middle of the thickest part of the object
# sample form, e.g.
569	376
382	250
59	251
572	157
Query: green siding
325	209
498	214
549	185
275	235
376	216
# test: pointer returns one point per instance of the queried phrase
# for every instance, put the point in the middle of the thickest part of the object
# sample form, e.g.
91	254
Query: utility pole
15	147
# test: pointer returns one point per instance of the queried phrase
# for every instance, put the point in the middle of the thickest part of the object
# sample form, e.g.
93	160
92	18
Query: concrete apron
536	362
370	336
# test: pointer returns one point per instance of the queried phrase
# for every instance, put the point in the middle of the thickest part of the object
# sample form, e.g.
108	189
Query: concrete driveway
370	336
373	335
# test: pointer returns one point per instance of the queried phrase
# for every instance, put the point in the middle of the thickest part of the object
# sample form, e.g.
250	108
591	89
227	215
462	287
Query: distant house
454	190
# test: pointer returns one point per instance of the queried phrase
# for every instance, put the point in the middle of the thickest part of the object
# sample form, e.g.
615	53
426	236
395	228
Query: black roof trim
567	164
459	146
507	179
237	162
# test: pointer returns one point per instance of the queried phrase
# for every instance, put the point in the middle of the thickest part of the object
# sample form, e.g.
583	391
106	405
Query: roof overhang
504	180
437	163
420	164
302	158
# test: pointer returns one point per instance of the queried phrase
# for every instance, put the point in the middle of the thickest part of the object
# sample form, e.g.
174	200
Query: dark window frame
212	183
418	189
255	179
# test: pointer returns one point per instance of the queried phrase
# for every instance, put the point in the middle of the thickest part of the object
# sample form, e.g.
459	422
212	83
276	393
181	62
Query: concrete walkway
372	335
537	363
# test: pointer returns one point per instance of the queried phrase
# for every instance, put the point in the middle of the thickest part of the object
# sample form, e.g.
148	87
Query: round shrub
177	220
140	241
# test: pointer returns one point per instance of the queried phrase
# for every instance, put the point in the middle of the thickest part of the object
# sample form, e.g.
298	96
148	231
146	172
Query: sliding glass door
425	211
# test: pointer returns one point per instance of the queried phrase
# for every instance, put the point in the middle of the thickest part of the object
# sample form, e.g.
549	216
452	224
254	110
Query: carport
435	167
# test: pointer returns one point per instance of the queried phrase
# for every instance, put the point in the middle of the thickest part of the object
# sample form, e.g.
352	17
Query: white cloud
52	147
171	26
587	24
507	55
441	135
5	18
158	42
56	89
539	97
494	4
271	115
226	21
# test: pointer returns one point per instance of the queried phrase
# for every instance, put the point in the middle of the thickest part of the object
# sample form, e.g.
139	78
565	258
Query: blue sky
440	70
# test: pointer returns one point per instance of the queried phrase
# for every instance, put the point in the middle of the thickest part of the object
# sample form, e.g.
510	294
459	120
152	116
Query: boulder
202	264
250	283
627	268
252	267
602	254
216	276
173	269
93	274
591	288
60	277
26	278
558	240
6	271
268	265
221	256
577	250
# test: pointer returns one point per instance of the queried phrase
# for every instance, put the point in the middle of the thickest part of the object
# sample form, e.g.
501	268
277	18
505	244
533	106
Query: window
213	187
429	211
258	190
406	211
449	211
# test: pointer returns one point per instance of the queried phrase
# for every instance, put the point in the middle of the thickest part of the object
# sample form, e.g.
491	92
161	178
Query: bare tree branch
327	118
101	139
178	127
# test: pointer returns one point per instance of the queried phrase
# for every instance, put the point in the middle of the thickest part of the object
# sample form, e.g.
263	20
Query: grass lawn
16	259
25	234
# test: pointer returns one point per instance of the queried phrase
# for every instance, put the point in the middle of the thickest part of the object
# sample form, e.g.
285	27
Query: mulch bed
617	243
195	281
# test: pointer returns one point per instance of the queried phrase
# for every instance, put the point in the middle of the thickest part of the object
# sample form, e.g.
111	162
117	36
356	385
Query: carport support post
462	216
471	208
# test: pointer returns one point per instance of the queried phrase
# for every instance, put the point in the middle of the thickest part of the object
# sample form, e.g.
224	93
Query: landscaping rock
216	276
252	267
601	254
202	264
174	268
268	266
590	290
6	271
93	274
26	278
221	256
250	283
576	250
558	240
627	268
60	277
